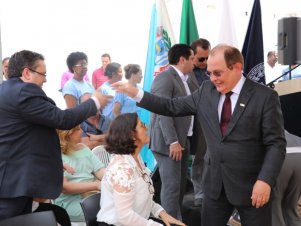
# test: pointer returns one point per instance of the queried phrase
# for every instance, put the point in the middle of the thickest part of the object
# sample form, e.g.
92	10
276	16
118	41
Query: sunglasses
148	180
202	59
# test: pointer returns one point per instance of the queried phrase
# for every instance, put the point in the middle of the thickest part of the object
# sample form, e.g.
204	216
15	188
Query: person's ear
237	66
26	74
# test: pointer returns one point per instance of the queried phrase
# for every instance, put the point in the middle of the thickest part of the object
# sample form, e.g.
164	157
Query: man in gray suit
287	191
170	135
245	151
201	48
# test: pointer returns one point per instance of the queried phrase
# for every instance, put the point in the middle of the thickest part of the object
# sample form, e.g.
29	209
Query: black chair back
45	218
91	206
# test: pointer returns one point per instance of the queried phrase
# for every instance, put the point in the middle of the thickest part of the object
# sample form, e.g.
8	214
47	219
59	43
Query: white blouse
126	198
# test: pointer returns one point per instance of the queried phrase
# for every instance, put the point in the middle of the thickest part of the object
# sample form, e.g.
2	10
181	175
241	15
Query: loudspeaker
289	41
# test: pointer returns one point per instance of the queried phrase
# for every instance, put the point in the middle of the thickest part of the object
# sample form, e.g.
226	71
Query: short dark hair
203	43
106	55
120	137
177	51
131	69
23	59
112	69
73	58
231	54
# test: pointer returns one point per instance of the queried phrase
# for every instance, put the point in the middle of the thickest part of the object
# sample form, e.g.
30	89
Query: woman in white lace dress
126	189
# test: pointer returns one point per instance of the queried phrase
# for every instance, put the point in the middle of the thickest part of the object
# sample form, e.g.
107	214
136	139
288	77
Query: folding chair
102	154
91	206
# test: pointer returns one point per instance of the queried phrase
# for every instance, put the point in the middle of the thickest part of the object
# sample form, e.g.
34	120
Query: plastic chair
102	154
45	218
91	206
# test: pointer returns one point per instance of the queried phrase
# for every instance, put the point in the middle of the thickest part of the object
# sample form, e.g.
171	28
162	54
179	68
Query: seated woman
127	189
86	178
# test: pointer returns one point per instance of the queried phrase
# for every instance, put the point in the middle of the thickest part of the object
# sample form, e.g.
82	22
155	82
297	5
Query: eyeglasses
215	73
37	72
147	179
81	65
202	59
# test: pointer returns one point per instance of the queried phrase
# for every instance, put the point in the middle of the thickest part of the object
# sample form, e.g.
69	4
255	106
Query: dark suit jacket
166	130
253	147
197	141
30	155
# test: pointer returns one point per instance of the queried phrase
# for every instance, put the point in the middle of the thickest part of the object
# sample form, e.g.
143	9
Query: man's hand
261	193
102	98
175	151
125	88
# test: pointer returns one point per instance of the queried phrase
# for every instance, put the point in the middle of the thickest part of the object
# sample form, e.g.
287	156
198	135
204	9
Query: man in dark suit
245	151
30	155
169	136
201	48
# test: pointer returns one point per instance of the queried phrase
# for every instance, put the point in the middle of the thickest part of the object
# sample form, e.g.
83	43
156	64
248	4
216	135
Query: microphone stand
271	84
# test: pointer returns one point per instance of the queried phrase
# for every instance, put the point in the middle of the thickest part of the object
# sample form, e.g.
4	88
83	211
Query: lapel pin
242	105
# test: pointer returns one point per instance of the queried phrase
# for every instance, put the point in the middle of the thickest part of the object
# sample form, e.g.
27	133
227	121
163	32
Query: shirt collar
237	88
180	73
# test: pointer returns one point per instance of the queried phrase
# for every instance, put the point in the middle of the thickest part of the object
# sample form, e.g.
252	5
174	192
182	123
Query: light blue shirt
107	89
128	104
77	89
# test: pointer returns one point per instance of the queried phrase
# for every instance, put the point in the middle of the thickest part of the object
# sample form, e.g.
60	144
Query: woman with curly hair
127	189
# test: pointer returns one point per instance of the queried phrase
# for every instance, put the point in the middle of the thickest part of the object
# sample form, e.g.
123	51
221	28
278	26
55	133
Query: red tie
226	113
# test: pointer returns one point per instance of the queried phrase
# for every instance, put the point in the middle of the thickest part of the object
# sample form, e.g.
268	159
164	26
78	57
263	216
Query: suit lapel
243	99
192	81
213	114
178	79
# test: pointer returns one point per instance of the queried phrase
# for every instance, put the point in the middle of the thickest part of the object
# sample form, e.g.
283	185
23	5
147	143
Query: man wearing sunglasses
201	48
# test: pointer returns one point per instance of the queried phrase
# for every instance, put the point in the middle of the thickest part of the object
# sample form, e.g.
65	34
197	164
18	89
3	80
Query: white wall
119	27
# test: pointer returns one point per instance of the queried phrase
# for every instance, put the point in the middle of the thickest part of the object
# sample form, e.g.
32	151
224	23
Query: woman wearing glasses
126	189
76	87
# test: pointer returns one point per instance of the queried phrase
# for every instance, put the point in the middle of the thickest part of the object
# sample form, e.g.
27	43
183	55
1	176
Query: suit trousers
198	168
287	192
11	207
173	176
217	212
